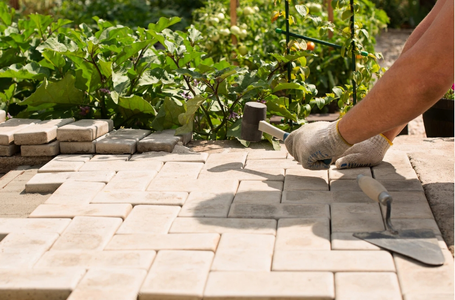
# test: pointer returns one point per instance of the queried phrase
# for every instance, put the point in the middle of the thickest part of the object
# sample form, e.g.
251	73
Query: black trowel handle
373	189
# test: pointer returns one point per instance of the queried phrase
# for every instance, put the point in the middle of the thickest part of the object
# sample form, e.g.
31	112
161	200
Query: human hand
368	153
314	145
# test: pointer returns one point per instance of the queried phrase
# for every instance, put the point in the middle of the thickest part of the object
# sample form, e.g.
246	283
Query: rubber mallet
254	124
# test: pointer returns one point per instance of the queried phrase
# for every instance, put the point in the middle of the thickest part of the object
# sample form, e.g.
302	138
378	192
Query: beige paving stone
97	259
113	157
87	233
158	141
40	133
344	186
307	197
140	197
201	204
303	234
243	174
78	147
149	219
366	285
46	182
180	170
23	250
71	211
410	210
232	160
429	296
189	241
324	174
260	197
416	278
2	116
346	241
333	261
9	150
174	157
356	217
177	275
360	197
37	226
344	174
50	149
222	225
84	130
411	224
121	141
270	285
297	183
193	185
122	166
265	154
10	176
8	128
92	176
75	193
104	284
130	133
396	158
244	252
277	211
276	163
65	163
386	171
256	186
39	284
130	180
402	185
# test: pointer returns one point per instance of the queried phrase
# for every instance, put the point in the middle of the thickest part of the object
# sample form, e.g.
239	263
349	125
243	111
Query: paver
75	193
130	180
121	166
46	182
276	163
84	130
429	296
2	116
264	154
177	274
121	141
366	285
104	284
244	252
347	174
193	185
140	197
417	279
201	204
386	171
270	285
358	196
8	128
307	197
303	234
41	132
92	176
79	147
148	241
180	170
300	179
223	225
70	211
333	261
149	219
50	149
278	211
87	233
158	141
65	163
356	217
222	161
97	259
167	157
9	150
110	157
346	241
402	185
40	284
411	224
396	158
262	197
410	210
22	250
256	186
37	226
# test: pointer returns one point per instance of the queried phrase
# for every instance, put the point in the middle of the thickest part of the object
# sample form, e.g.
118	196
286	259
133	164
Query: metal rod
354	85
279	30
387	218
286	8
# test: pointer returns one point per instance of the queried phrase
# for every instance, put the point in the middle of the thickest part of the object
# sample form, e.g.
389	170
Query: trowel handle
373	189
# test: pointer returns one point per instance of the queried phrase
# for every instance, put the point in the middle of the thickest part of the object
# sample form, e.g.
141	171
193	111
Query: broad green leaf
30	71
277	106
275	144
131	50
168	115
186	119
164	23
338	91
120	81
288	86
302	10
105	68
42	22
346	14
87	76
9	57
190	73
202	68
60	23
55	58
6	14
155	76
194	34
135	105
59	43
59	92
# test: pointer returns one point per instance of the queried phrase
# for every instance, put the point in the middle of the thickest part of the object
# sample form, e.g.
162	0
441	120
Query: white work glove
314	145
368	153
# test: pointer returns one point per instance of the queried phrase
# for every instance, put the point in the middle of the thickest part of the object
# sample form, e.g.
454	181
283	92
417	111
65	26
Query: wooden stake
14	4
330	13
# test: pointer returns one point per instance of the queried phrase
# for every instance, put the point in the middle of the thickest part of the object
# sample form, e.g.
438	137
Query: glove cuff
339	144
388	141
338	131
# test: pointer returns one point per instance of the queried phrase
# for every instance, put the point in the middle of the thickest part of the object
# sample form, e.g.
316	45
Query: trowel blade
420	245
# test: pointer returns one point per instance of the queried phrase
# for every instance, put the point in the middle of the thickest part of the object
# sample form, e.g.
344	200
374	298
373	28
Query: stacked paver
7	130
234	225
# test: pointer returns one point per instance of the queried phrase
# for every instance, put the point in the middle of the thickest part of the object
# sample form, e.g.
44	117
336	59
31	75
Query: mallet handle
272	130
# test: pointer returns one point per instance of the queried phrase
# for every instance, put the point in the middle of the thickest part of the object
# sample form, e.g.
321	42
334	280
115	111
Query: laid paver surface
237	224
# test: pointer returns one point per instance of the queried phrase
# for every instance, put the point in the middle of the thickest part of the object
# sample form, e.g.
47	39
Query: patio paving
228	223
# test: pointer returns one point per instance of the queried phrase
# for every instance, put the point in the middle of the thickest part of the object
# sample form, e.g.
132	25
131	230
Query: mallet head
253	113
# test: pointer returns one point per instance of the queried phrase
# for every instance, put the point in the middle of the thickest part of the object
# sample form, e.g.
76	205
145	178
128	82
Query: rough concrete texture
2	116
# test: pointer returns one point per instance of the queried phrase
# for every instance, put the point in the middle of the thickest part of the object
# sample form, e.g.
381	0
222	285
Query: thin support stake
286	8
354	85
